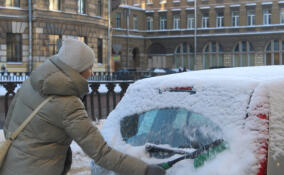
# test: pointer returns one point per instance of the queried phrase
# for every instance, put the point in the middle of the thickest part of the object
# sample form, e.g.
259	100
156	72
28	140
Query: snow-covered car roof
223	96
259	73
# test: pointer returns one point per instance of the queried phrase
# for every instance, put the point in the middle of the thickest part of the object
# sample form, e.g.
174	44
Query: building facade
197	34
27	39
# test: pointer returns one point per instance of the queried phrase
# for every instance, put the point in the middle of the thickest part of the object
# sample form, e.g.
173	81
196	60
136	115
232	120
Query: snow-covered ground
80	161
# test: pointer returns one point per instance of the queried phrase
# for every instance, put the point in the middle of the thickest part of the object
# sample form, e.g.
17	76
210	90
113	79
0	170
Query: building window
235	18
136	2
14	47
81	7
220	19
213	55
267	16
149	23
190	21
118	20
243	54
282	16
54	44
274	52
83	39
163	22
54	4
135	22
205	20
251	17
176	22
99	8
13	3
184	56
149	1
100	50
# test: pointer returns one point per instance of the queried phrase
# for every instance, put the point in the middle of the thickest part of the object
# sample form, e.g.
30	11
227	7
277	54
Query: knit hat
76	54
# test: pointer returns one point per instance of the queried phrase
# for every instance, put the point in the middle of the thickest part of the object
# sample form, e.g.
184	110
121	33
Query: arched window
184	56
274	52
243	54
213	55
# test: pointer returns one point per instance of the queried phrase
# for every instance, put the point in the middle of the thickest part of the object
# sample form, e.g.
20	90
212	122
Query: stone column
258	14
212	17
227	16
275	13
198	62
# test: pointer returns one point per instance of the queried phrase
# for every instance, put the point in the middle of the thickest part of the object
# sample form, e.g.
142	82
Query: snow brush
206	152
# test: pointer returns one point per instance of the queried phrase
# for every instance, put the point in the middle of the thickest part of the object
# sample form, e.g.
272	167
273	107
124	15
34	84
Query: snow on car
185	111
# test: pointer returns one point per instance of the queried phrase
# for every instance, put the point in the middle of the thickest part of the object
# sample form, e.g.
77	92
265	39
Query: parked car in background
185	111
125	74
160	71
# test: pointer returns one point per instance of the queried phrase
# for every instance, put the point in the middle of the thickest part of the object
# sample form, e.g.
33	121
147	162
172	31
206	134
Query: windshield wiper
155	148
200	155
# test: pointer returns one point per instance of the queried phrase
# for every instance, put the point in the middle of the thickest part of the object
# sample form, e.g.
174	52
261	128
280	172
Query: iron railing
98	104
98	76
102	98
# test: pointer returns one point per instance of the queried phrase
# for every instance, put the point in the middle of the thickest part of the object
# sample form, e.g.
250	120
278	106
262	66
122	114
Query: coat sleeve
79	127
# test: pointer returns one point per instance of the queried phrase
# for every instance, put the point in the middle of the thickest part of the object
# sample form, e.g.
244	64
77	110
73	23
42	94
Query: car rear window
176	127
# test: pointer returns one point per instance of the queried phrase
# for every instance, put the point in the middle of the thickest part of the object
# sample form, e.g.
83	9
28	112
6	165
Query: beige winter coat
41	148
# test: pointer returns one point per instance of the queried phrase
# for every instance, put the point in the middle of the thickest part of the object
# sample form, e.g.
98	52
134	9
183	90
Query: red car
180	113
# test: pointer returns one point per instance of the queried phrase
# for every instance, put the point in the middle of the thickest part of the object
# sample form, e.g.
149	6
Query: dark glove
155	170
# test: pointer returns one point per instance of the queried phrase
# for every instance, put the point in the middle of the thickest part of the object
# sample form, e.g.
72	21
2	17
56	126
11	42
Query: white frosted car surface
185	111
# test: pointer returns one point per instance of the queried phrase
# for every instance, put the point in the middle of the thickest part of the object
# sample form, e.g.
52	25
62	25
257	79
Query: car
161	119
125	74
160	71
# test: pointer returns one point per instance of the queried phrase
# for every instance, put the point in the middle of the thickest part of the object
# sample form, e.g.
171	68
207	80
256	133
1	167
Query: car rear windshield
176	127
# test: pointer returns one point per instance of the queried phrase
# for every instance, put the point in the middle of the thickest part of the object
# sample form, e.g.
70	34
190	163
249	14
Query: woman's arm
79	127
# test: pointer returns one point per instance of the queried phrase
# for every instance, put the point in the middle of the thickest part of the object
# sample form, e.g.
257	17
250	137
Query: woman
42	148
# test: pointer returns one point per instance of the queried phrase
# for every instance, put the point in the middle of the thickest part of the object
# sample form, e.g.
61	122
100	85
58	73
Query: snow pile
80	161
157	70
102	89
3	91
221	96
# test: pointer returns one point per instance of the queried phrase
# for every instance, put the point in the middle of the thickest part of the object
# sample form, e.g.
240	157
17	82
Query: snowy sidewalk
80	161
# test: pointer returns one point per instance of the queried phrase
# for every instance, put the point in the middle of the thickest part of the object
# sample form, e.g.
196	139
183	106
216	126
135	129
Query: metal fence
98	76
98	103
